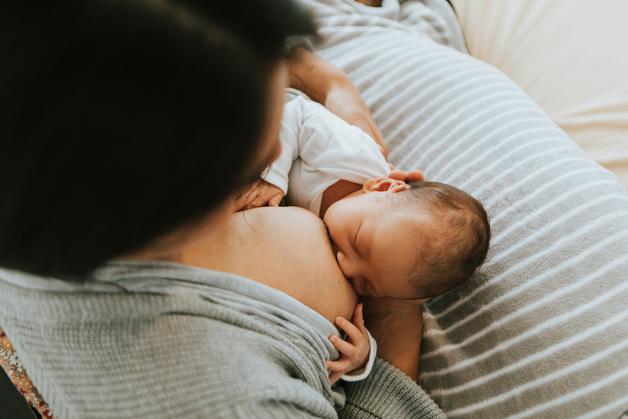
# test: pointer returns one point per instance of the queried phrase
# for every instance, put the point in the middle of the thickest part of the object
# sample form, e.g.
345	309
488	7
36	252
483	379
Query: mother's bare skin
286	248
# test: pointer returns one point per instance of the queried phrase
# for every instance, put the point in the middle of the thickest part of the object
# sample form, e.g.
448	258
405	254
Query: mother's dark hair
123	119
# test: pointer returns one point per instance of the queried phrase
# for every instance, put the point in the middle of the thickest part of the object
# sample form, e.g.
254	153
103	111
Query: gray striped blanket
542	329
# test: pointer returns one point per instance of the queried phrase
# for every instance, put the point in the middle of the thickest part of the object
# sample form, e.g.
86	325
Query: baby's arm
357	354
325	139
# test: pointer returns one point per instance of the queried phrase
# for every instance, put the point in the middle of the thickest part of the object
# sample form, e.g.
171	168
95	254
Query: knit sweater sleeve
388	393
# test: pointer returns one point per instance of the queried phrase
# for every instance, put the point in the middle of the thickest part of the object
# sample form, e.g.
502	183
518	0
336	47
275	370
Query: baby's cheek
342	262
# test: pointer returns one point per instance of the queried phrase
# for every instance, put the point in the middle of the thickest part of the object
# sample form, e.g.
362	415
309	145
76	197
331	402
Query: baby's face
376	244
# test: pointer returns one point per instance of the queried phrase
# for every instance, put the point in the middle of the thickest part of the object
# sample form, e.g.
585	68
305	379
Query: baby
391	238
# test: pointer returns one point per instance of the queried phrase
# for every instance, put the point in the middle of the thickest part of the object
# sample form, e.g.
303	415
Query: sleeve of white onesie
369	364
318	149
330	149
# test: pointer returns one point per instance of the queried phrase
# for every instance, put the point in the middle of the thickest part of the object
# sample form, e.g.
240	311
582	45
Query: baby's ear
399	188
384	185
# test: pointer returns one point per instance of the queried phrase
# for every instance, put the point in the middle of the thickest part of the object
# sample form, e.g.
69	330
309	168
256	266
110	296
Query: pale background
570	56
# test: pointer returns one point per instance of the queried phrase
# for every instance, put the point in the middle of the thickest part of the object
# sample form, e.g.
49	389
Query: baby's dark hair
452	251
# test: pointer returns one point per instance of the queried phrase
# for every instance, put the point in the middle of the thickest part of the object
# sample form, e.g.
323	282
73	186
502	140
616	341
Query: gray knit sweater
168	340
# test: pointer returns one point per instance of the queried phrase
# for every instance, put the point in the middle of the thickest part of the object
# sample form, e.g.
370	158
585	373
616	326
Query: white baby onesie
319	149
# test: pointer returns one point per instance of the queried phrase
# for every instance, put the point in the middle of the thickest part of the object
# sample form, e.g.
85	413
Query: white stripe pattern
541	330
618	375
533	331
455	100
601	327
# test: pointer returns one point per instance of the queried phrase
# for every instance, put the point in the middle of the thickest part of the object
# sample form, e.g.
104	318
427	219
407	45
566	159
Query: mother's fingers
407	175
414	176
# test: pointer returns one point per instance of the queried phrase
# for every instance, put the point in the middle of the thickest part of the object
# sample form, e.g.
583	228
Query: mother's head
124	121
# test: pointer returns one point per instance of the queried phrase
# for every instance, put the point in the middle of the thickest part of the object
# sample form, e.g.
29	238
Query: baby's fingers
275	200
341	365
256	202
352	332
243	199
358	317
343	346
335	376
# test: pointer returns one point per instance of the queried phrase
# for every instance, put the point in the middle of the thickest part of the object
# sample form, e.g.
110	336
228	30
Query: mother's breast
285	248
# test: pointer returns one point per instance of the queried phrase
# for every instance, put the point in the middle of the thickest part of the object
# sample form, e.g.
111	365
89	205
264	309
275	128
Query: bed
570	56
541	330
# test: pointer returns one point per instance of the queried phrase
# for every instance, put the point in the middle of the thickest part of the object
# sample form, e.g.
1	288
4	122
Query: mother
109	154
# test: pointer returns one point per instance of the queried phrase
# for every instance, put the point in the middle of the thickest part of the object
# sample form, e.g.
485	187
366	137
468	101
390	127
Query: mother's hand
397	326
330	86
407	175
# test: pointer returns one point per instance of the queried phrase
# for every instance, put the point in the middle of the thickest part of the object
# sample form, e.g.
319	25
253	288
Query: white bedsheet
570	56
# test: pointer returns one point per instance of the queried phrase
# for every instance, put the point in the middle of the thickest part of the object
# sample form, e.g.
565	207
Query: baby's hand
259	194
354	352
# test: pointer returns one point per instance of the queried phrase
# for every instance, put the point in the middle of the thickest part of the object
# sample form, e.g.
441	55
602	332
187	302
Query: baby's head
409	243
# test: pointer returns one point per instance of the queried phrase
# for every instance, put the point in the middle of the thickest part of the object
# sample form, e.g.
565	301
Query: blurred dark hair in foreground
121	119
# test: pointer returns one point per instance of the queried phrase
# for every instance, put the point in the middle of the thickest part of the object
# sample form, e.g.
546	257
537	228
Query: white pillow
570	56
